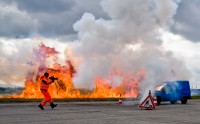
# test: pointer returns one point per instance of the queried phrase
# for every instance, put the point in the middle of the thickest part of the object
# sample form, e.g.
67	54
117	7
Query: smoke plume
20	58
128	41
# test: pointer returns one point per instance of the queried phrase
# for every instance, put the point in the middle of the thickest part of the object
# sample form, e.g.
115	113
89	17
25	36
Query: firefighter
45	82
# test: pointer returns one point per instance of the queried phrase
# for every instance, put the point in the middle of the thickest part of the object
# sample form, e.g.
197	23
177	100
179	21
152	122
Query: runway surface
100	113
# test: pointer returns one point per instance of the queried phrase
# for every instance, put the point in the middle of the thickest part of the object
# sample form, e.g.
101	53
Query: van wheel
183	100
158	100
172	101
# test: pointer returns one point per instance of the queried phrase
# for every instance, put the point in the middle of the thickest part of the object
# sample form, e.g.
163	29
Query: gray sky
187	20
65	21
52	18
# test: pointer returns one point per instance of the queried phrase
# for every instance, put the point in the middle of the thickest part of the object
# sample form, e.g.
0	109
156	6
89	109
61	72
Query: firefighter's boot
41	107
53	105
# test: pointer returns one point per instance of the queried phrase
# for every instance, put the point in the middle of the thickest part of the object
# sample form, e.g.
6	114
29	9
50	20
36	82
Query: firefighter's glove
52	78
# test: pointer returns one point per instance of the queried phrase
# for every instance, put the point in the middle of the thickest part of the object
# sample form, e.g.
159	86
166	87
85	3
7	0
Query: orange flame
106	87
64	87
44	52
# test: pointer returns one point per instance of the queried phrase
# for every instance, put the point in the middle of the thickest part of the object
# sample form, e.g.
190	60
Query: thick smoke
129	41
18	60
14	60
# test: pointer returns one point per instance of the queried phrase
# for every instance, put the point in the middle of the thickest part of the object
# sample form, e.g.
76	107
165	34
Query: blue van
173	91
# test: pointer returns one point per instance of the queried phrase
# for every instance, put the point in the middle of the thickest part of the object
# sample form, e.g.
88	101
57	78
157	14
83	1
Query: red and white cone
155	101
120	101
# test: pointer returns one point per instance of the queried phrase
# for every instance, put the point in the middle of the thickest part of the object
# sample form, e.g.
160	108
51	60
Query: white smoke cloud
13	57
17	59
165	10
104	44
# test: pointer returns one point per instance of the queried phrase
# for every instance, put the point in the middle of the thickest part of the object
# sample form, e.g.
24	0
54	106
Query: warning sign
148	102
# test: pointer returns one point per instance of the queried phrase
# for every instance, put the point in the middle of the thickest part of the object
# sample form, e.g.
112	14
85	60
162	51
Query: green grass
17	100
21	100
195	97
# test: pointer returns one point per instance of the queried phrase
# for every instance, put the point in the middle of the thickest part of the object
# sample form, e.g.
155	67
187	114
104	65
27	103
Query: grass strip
195	97
22	100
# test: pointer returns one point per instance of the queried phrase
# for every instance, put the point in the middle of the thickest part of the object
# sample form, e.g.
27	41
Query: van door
169	93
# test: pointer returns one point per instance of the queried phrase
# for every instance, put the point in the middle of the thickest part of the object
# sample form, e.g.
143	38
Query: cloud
50	6
52	18
187	20
14	22
55	18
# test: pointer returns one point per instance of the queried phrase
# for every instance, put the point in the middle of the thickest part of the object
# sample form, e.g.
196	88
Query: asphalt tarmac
100	113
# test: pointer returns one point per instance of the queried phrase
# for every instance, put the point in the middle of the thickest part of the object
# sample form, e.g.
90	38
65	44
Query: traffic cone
120	101
155	101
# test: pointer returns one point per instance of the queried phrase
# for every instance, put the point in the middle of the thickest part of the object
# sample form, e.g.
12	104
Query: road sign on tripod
148	102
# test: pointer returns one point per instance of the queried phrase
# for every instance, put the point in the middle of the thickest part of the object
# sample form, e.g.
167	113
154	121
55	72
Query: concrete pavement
100	113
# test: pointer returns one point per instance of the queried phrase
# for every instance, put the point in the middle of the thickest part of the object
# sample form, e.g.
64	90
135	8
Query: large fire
105	87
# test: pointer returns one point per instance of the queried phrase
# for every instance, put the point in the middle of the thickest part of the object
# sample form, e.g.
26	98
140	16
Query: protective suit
45	82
